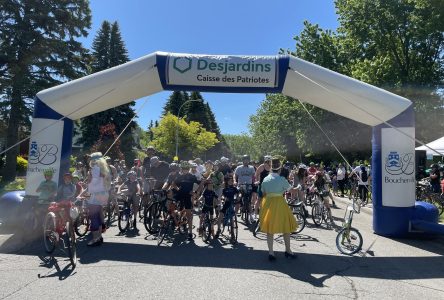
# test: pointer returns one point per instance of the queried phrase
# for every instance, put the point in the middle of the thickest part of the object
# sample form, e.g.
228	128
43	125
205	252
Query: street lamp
177	125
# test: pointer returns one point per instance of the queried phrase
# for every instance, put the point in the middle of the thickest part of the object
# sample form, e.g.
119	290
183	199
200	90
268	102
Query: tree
174	102
38	49
241	144
107	137
398	45
193	138
108	51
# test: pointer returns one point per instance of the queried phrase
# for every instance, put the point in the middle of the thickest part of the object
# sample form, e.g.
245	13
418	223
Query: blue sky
210	27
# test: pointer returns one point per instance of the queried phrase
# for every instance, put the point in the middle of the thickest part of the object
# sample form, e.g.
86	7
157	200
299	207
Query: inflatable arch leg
393	175
49	146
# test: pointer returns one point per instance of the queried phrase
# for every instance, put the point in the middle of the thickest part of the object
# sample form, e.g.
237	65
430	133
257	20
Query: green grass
18	184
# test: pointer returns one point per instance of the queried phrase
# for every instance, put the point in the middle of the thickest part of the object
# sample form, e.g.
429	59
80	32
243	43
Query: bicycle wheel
81	224
124	220
349	241
151	221
316	214
207	229
300	221
49	233
183	227
233	229
71	243
163	231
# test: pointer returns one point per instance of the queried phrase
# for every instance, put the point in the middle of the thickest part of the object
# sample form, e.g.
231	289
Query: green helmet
184	165
48	172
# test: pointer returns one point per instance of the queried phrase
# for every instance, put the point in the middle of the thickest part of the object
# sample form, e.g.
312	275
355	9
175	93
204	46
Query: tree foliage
242	144
38	49
193	139
108	51
396	45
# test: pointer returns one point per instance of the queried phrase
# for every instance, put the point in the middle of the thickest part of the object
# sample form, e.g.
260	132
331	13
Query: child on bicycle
47	188
209	197
319	184
133	191
67	190
229	193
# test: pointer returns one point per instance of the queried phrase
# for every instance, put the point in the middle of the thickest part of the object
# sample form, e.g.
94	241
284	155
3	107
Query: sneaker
217	234
190	236
252	219
103	228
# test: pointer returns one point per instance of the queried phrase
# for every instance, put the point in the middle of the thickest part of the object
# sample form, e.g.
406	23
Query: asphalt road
133	266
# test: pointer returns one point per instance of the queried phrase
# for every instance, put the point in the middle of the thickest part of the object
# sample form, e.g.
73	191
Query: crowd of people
215	183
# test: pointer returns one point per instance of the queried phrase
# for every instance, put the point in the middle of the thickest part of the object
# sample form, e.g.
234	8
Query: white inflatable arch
393	152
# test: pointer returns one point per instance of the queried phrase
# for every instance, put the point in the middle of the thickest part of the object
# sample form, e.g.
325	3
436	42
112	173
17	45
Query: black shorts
185	201
227	204
209	209
254	188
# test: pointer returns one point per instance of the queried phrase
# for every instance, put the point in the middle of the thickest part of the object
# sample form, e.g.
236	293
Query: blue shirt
275	184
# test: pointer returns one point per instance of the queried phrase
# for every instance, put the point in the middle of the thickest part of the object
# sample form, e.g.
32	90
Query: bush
22	165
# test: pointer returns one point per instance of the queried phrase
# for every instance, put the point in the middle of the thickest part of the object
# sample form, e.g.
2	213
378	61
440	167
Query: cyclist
195	172
67	190
146	168
217	177
312	169
174	172
184	185
133	191
435	178
299	180
229	193
209	198
159	171
224	167
244	175
320	183
262	171
47	188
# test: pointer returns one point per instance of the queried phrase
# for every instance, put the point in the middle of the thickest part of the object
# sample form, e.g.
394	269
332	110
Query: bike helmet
224	159
217	163
246	157
267	158
131	173
193	165
184	165
174	167
48	172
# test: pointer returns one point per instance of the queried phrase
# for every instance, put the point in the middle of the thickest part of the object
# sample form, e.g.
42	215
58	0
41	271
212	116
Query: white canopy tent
436	145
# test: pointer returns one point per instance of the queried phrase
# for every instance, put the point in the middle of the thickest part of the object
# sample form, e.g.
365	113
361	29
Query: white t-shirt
97	183
358	171
244	174
340	174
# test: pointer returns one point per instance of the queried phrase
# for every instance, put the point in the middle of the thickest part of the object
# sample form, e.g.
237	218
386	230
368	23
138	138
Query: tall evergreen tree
38	49
196	111
174	102
108	51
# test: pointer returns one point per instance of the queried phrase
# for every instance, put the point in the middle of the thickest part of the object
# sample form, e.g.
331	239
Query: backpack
364	175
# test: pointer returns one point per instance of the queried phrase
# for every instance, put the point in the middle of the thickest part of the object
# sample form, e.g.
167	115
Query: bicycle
174	219
230	222
82	222
424	192
147	198
320	213
298	210
58	229
126	215
207	226
349	239
246	193
153	212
